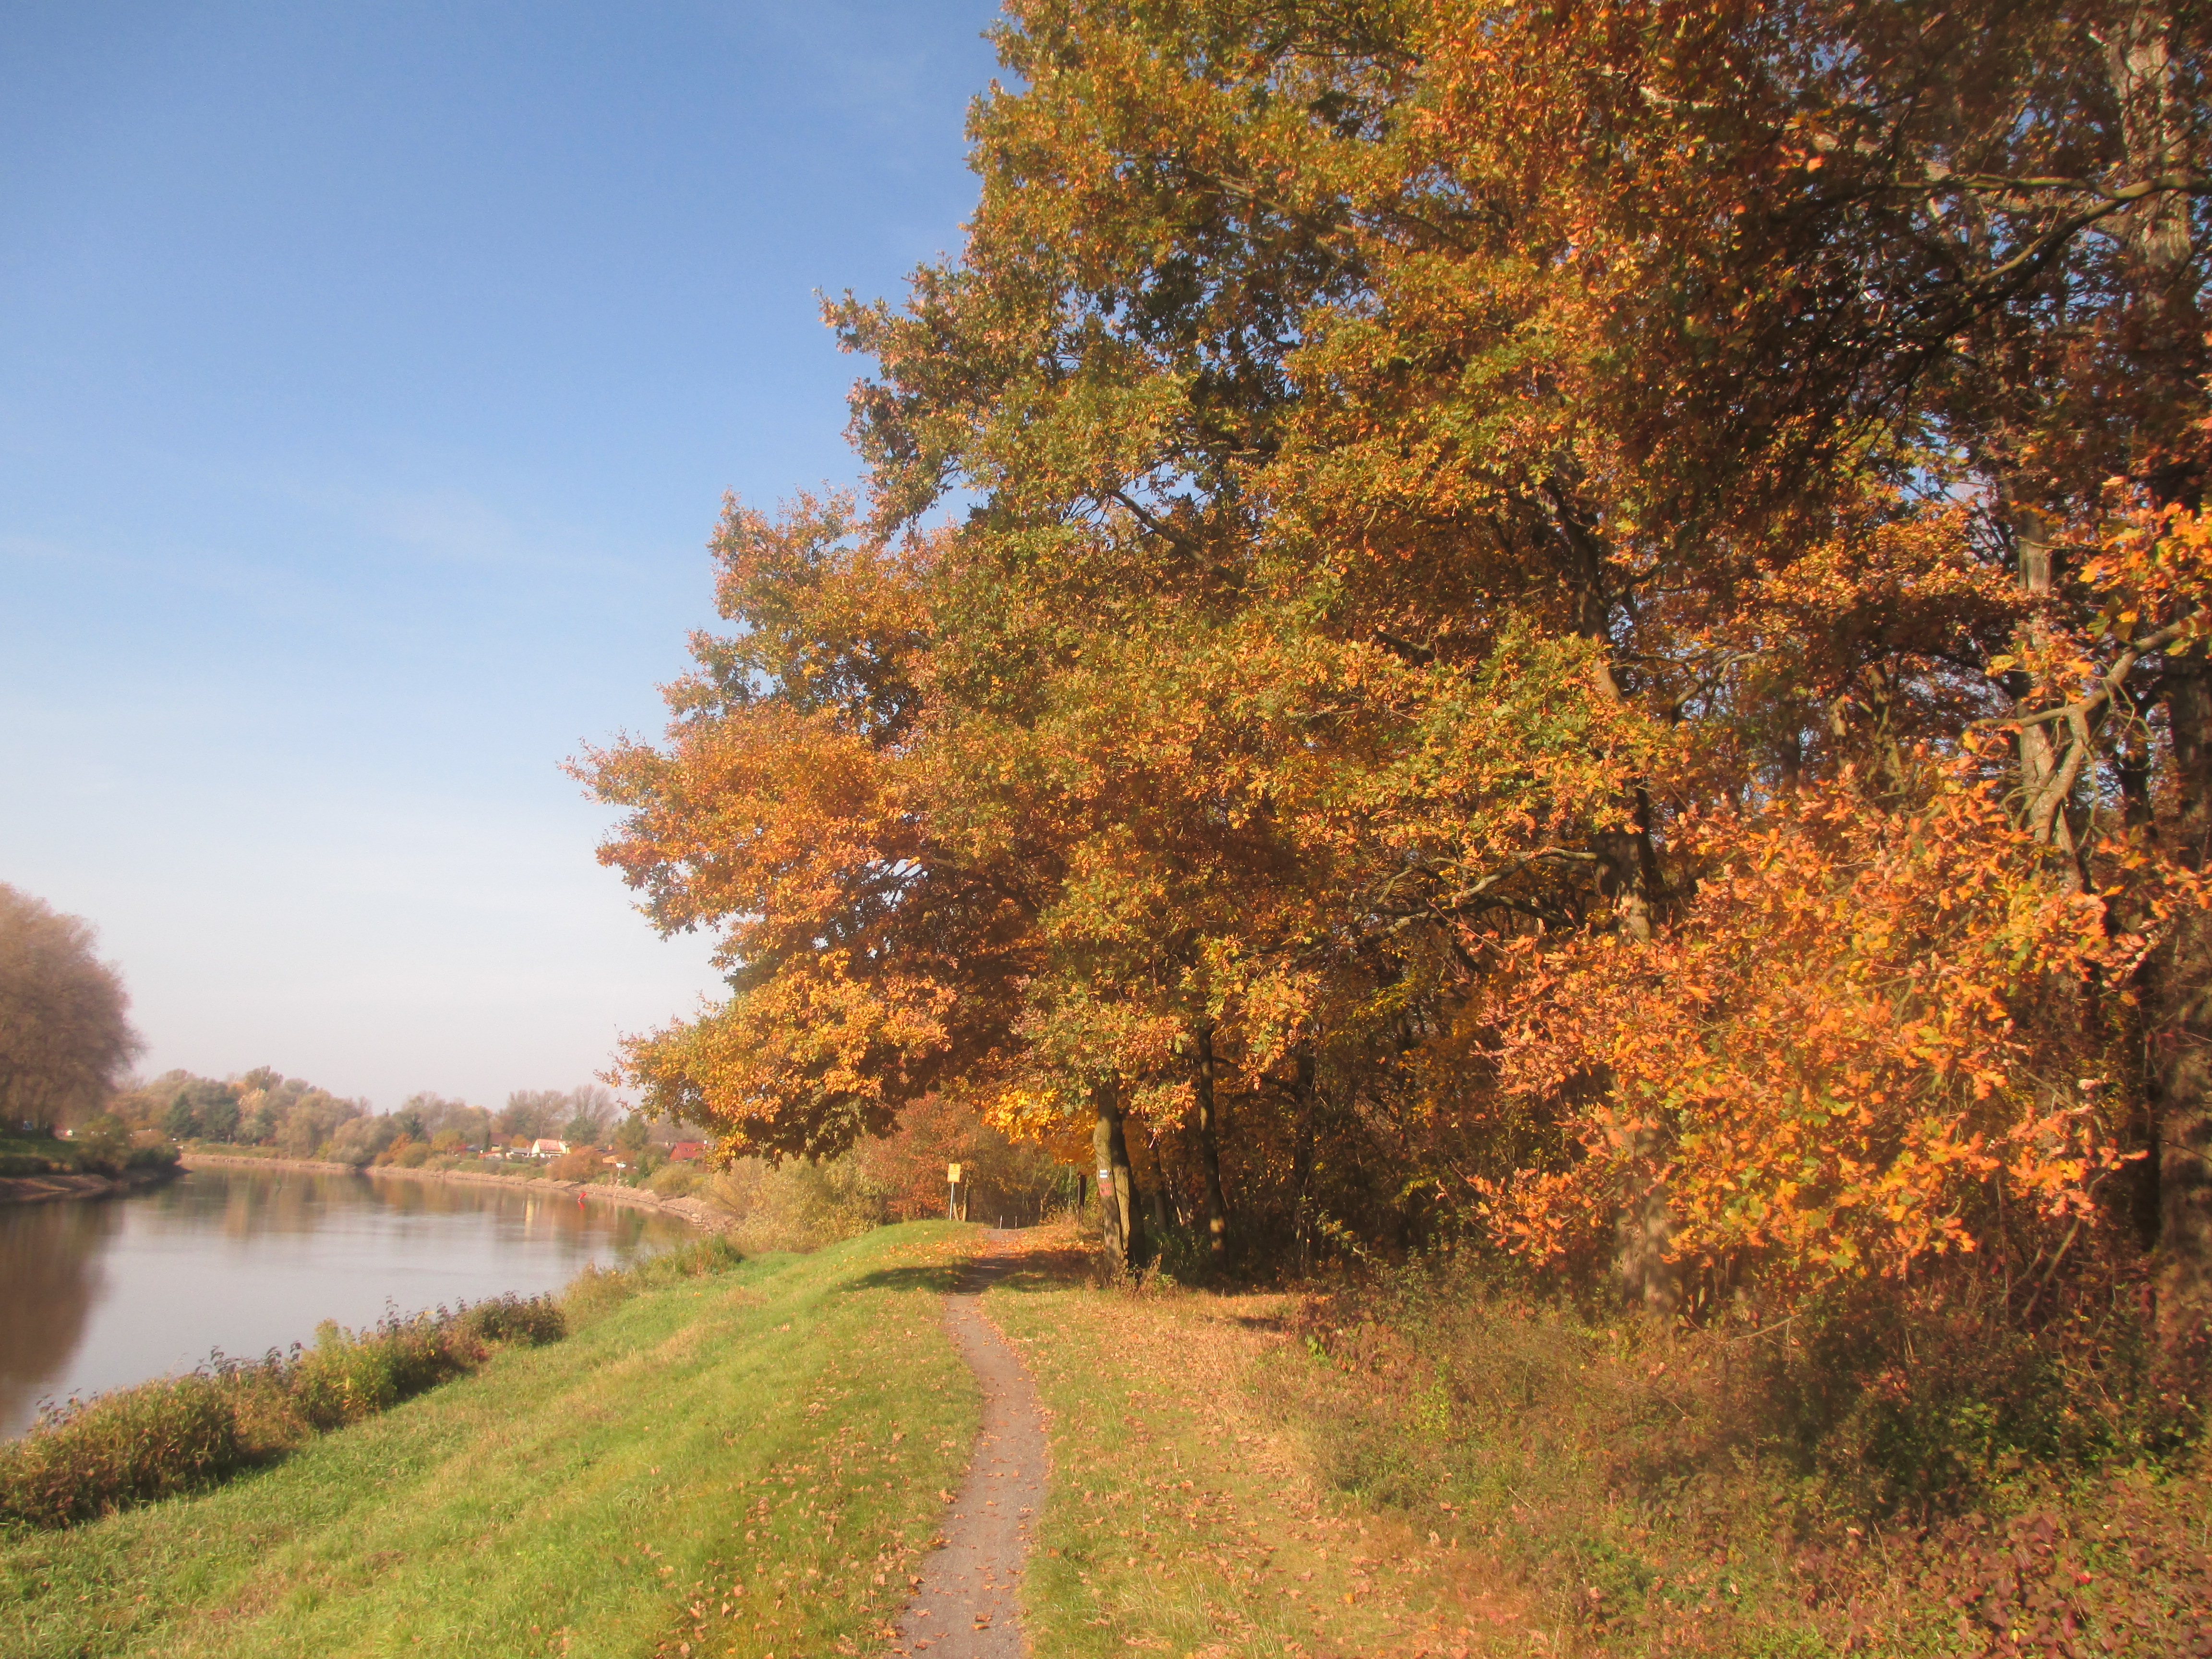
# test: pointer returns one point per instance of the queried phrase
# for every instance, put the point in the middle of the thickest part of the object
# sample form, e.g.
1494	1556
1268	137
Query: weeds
120	1449
92	1457
596	1290
1892	1471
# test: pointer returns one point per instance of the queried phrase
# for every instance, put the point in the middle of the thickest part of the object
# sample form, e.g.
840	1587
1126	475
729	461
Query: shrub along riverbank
752	1452
104	1157
129	1446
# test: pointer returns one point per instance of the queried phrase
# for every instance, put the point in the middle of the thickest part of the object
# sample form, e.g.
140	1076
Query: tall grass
87	1458
597	1290
1872	1467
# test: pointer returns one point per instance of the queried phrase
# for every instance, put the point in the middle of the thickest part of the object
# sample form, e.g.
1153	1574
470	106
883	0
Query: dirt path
968	1604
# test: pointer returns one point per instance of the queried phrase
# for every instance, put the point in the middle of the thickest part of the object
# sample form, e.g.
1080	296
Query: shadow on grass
1015	1270
938	1278
1056	1270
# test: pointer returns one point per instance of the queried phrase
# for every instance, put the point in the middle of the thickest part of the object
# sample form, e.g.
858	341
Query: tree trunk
1305	1091
2044	781
2164	328
1121	1219
2166	341
1207	1131
2181	1038
1628	875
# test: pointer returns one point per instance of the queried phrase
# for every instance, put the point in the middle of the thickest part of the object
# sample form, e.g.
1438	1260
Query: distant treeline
298	1119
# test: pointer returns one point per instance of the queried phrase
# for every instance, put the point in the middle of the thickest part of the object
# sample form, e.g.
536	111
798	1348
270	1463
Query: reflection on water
96	1293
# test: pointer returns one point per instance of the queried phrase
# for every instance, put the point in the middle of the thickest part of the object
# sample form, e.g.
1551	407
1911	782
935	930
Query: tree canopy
1582	624
65	1031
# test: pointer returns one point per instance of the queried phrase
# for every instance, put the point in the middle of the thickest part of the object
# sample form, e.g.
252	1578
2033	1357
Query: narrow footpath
968	1605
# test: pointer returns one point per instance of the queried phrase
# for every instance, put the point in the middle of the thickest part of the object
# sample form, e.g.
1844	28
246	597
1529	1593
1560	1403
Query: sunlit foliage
1582	624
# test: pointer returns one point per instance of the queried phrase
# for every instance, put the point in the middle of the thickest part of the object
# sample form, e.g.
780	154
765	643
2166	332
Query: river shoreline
694	1213
44	1188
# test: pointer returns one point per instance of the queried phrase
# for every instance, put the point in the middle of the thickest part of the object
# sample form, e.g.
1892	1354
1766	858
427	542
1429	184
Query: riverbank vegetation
104	1145
795	1204
290	1117
751	1453
87	1458
93	1457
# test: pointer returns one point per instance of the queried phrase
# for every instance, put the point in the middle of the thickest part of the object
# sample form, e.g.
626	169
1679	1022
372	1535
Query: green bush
343	1378
597	1289
103	1145
134	1445
675	1180
530	1321
801	1204
350	1374
92	1457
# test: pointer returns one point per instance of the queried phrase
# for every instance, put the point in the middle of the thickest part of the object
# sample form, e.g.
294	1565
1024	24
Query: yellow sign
952	1175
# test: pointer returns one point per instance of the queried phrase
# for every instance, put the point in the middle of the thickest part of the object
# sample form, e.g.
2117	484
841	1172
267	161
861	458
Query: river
99	1292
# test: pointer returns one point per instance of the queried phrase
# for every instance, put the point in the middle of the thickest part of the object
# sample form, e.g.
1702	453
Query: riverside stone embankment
706	1217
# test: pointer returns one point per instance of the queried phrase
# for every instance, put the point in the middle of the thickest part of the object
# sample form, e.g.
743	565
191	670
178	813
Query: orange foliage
1544	616
1871	1038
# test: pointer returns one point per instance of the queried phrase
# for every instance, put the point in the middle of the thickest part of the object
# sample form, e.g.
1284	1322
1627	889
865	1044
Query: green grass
784	1426
1178	1520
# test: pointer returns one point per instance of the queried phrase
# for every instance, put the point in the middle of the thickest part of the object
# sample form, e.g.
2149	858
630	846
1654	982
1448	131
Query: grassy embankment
1410	1469
1418	1466
747	1462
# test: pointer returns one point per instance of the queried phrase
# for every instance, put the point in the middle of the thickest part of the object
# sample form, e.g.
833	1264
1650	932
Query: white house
548	1148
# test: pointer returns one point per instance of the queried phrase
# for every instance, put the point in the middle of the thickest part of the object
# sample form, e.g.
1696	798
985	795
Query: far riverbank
62	1183
695	1213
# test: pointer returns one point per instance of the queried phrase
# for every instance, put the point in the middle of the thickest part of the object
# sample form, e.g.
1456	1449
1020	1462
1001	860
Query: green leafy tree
103	1142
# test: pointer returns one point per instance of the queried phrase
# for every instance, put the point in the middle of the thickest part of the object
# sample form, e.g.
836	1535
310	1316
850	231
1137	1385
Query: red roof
684	1151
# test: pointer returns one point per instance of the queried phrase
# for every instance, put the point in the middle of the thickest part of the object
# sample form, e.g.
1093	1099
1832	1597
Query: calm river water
94	1293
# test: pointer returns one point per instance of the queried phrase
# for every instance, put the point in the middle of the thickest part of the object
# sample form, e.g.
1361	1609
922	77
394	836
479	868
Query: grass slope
1183	1517
745	1464
1325	1476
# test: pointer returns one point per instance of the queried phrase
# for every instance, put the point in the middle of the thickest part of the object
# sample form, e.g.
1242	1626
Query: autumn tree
64	1032
1591	613
867	961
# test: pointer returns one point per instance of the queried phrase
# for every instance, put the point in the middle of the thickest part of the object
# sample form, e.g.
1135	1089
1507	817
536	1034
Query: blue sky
369	379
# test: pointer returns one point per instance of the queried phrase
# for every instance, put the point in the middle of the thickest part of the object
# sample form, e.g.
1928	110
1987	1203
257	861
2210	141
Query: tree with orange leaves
1541	589
789	811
